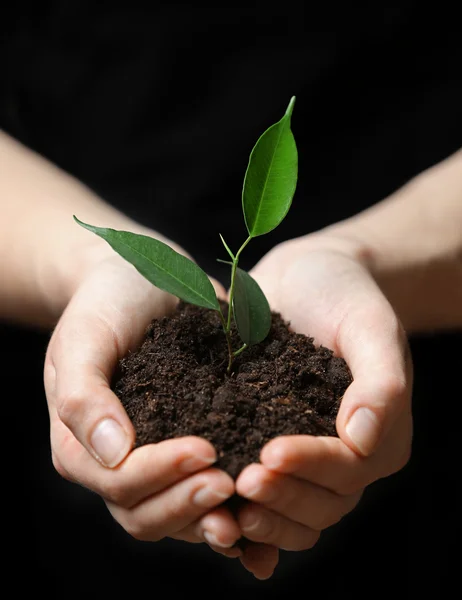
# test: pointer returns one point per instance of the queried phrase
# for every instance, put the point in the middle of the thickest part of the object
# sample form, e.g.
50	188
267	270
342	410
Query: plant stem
227	247
228	341
233	275
227	324
241	349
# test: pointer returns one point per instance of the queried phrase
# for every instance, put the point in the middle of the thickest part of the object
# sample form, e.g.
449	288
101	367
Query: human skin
358	287
57	276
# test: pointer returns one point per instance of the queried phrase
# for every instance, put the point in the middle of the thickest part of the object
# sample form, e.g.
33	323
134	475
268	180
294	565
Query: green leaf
251	309
271	177
161	265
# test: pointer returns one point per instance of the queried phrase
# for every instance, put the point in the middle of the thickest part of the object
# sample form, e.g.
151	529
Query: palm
107	316
319	291
323	291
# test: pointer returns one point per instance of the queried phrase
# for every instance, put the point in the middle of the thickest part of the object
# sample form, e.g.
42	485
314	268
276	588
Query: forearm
43	252
412	244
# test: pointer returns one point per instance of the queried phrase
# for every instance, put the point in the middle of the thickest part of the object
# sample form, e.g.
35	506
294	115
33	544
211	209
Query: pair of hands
303	484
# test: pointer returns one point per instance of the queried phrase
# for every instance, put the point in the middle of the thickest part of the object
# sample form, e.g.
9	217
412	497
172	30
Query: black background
157	109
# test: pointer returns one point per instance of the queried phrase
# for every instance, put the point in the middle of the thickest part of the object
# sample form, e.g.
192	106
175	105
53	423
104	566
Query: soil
175	384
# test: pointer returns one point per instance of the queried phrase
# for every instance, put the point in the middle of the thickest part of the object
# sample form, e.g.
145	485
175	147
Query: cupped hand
169	489
304	484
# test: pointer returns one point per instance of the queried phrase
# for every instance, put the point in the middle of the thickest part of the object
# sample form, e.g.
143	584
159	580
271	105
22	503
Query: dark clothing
157	110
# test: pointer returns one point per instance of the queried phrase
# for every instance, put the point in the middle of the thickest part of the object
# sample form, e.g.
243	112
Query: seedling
269	186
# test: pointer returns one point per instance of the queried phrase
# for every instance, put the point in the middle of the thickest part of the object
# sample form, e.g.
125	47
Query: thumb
375	347
105	318
80	357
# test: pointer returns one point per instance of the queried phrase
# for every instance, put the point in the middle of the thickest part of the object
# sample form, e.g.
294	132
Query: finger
104	319
91	411
228	552
324	461
328	462
260	559
218	528
259	524
146	470
358	323
220	291
295	499
176	507
374	345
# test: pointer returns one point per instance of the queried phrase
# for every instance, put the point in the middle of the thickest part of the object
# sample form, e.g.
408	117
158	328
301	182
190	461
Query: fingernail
274	459
206	497
213	541
252	493
363	428
250	523
110	442
195	463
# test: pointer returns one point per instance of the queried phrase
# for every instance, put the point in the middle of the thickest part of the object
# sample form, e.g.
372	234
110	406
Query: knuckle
69	405
114	491
310	540
288	497
137	529
140	525
325	517
353	486
405	457
49	375
302	541
401	461
335	514
59	467
394	387
175	509
273	531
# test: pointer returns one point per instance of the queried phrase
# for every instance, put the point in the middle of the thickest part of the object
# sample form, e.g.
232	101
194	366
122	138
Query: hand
305	484
158	490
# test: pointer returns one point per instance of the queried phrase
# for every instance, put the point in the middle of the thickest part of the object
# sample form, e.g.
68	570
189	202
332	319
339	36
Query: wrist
45	253
75	253
411	243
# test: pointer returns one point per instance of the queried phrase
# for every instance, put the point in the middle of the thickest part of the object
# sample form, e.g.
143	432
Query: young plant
269	186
